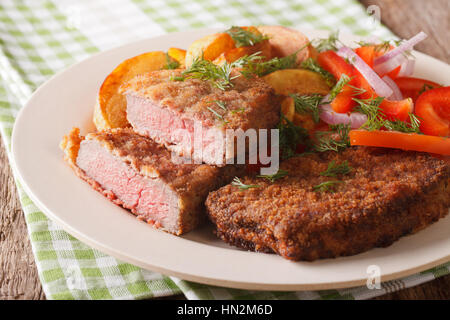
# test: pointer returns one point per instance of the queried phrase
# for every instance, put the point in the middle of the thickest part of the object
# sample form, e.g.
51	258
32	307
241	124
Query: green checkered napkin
39	38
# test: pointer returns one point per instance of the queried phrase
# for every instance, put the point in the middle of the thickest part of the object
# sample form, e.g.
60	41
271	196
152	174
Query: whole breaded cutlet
386	195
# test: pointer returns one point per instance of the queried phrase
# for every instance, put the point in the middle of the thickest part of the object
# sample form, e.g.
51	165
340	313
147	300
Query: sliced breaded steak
168	111
388	194
138	174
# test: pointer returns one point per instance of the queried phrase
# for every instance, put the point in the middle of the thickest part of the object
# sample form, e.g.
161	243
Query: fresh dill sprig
238	183
376	119
221	104
371	108
426	87
261	68
412	127
382	46
239	110
290	136
336	139
345	79
335	169
272	177
171	63
219	76
219	116
244	38
327	186
308	104
312	65
330	43
356	90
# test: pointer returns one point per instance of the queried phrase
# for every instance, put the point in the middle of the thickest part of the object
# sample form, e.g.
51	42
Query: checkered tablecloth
39	38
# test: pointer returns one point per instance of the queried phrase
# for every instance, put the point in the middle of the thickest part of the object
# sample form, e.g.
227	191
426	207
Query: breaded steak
138	174
388	194
168	111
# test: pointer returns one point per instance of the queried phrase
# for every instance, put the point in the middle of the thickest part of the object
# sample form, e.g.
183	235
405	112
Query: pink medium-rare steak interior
150	199
167	127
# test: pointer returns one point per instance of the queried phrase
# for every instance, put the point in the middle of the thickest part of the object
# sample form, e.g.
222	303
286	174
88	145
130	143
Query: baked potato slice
211	46
179	55
110	109
298	81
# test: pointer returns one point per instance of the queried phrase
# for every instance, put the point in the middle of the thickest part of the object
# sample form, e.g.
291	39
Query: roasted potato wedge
211	46
110	109
179	55
297	81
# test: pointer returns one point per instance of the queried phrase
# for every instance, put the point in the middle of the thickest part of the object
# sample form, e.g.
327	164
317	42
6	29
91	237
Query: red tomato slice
397	110
370	53
433	110
334	64
362	83
413	87
400	140
337	66
394	110
367	53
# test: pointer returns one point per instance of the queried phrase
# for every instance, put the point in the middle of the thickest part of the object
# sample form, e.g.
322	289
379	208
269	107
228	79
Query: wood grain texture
18	275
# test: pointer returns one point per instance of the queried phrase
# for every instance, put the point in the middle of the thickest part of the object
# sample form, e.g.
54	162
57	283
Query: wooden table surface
18	274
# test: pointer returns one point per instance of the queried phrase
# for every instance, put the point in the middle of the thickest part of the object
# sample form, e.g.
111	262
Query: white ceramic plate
67	100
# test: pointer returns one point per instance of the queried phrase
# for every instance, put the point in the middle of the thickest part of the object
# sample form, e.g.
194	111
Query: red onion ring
397	94
354	119
378	85
405	46
407	68
392	59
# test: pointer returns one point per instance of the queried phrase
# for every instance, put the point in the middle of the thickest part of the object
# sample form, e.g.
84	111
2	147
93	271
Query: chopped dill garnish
308	104
221	104
261	68
345	79
219	75
312	65
330	43
426	87
238	183
336	139
272	177
171	63
371	108
357	91
376	119
334	169
244	38
218	116
403	126
327	186
384	46
290	136
240	110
